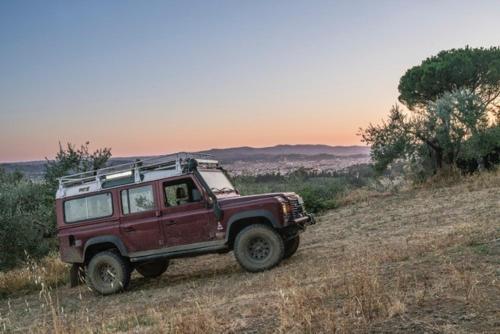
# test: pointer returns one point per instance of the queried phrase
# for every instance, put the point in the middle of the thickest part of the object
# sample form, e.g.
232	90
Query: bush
26	219
27	215
320	192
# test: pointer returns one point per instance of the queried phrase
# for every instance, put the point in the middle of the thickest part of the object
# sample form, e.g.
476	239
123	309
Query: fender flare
251	214
106	239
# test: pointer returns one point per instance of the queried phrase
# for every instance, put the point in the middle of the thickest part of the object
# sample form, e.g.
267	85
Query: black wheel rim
259	249
106	273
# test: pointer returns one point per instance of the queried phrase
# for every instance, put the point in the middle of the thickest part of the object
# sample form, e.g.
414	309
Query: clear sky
150	77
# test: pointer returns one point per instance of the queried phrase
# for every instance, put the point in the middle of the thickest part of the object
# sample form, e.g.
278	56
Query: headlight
286	208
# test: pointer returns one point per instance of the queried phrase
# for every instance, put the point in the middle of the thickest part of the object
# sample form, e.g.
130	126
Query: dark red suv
139	215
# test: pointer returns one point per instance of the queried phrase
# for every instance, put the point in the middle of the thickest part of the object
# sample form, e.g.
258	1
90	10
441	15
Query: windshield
217	181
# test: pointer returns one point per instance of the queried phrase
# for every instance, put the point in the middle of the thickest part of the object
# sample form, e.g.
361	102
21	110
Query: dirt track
420	261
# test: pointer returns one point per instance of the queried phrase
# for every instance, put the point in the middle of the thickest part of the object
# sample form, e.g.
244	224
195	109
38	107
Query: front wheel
258	247
153	268
107	273
291	246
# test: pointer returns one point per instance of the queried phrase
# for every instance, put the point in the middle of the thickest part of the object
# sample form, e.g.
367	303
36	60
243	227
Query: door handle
170	222
129	229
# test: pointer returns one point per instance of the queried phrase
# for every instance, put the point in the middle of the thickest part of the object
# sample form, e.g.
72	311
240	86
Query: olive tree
72	159
453	102
434	136
27	217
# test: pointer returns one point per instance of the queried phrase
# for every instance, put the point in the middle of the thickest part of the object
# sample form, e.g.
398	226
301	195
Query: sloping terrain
421	261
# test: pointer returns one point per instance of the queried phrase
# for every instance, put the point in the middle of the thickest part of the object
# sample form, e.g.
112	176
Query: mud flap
76	275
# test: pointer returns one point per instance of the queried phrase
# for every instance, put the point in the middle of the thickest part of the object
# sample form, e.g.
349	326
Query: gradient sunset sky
151	77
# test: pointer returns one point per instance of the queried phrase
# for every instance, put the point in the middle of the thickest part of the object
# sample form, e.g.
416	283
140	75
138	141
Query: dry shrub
369	295
50	271
195	321
361	195
482	180
129	323
366	297
306	310
443	178
200	321
464	280
397	307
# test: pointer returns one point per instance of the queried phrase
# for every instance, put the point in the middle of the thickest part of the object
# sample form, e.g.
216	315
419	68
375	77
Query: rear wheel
291	246
258	247
108	272
153	268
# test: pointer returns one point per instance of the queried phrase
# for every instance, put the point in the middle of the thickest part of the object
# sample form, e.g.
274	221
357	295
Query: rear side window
90	207
137	199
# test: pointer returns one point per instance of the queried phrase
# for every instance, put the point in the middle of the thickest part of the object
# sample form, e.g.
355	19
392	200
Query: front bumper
297	226
307	219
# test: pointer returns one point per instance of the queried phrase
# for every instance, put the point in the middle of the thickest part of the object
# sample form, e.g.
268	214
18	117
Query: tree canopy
71	159
448	124
476	69
436	136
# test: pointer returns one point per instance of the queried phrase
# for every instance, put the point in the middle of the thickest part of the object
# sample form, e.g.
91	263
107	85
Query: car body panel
186	230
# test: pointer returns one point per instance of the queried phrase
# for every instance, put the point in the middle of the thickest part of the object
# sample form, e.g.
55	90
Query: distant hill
35	169
245	152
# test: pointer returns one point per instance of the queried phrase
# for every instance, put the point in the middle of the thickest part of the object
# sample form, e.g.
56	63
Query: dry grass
422	260
50	271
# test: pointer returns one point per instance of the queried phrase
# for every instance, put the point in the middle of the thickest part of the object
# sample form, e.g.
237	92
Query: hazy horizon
146	78
212	148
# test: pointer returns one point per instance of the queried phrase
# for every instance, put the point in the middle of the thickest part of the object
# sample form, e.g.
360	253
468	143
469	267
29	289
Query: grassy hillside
424	260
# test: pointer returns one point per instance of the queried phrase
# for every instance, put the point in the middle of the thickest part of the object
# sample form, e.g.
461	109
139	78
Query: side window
181	192
137	199
90	207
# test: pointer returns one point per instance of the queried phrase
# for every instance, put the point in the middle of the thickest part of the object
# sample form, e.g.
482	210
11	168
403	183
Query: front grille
297	209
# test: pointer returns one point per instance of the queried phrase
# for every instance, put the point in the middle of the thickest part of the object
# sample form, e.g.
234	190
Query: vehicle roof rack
140	170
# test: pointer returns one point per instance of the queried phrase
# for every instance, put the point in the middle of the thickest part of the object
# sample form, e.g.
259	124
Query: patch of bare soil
422	261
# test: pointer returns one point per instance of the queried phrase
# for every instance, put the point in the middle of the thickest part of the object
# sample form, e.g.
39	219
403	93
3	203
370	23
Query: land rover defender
137	216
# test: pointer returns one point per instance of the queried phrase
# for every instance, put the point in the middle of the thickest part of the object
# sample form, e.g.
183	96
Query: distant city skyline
154	77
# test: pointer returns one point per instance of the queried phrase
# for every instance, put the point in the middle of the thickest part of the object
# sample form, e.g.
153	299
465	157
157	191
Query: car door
139	225
185	216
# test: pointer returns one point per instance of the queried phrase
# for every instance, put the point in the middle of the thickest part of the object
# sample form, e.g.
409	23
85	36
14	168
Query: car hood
234	199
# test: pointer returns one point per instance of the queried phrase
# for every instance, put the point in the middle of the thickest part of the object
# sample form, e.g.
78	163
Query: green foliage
319	191
435	137
450	96
448	122
481	150
475	69
27	217
390	140
71	160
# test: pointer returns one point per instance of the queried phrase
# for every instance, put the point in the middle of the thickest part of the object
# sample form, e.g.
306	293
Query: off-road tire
153	268
258	248
108	273
291	246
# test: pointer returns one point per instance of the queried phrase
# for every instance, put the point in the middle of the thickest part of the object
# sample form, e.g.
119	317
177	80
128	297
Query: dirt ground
421	261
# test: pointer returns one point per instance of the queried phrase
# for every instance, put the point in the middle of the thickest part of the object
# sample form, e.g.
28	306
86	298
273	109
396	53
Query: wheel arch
102	243
241	220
